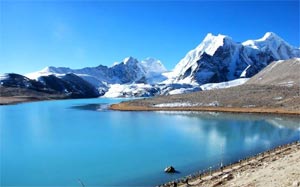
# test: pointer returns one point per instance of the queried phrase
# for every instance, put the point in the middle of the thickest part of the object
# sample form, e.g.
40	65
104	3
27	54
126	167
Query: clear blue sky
35	34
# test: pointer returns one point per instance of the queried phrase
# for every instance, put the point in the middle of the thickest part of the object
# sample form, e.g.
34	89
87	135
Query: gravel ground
276	168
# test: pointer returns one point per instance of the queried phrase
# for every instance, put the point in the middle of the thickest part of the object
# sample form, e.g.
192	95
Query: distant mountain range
217	59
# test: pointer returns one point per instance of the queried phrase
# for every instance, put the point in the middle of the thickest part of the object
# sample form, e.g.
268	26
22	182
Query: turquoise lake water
58	143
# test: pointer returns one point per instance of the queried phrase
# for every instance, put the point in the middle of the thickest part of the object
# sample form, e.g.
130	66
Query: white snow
125	90
288	83
152	65
249	106
150	68
3	76
183	90
191	71
176	104
278	98
128	60
116	90
209	46
154	70
185	104
211	43
213	86
271	42
214	103
243	74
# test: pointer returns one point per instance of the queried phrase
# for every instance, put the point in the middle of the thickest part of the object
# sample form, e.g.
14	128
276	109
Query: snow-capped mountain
154	70
70	85
219	59
129	71
217	62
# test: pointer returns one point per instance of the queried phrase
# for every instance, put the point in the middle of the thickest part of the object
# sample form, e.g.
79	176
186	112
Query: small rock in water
170	169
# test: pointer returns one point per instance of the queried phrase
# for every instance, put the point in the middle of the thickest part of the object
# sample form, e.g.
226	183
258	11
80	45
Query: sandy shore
277	168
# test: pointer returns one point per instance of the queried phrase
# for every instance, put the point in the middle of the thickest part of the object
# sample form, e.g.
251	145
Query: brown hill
281	73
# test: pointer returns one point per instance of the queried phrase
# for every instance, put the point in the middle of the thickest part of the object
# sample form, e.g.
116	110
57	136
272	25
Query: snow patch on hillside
126	90
213	86
176	104
3	76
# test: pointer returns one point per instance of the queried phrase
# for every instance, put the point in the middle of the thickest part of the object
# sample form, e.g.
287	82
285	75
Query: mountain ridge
217	59
230	60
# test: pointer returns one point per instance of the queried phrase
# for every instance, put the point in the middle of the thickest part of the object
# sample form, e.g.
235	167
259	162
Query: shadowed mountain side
13	95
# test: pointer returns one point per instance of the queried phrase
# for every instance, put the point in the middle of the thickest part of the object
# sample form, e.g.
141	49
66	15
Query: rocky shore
277	167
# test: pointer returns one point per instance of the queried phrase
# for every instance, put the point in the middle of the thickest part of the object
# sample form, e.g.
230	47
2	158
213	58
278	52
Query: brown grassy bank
240	99
127	107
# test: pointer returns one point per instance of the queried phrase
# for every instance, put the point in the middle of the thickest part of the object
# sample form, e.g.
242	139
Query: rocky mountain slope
280	73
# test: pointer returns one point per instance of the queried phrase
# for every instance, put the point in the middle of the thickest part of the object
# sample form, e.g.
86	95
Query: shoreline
236	173
18	100
26	99
127	107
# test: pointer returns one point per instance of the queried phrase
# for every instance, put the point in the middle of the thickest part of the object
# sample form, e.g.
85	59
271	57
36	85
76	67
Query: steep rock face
220	59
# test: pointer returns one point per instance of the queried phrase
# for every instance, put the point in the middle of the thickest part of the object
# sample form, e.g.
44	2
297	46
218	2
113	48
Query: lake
69	142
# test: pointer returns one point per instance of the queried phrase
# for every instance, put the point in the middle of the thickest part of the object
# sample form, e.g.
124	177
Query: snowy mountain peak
210	36
269	35
153	65
272	44
209	46
211	43
268	39
129	60
219	58
48	69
